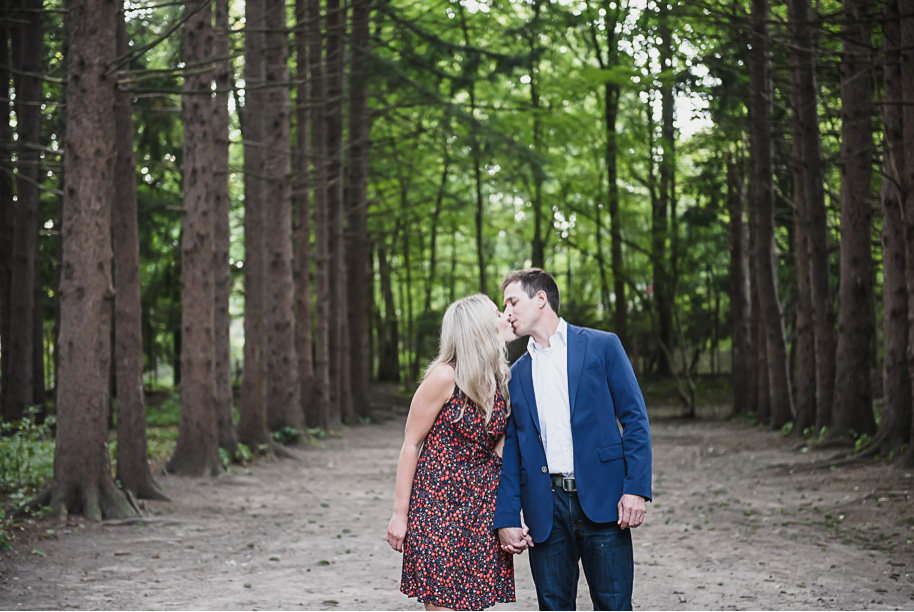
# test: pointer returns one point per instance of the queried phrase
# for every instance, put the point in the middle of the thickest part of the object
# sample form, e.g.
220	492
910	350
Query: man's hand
631	511
514	539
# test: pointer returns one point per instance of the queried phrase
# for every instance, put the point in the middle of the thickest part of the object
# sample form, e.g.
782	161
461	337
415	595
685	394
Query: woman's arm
427	403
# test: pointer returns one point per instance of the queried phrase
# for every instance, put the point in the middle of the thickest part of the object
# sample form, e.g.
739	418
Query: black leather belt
565	484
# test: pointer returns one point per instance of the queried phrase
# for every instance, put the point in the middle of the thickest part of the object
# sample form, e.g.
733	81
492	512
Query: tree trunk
895	426
663	283
804	93
197	450
853	407
537	255
283	391
477	167
906	28
321	408
39	391
27	55
341	408
741	372
6	222
252	422
388	336
222	238
357	252
762	196
132	456
758	368
302	204
433	228
82	473
620	311
806	341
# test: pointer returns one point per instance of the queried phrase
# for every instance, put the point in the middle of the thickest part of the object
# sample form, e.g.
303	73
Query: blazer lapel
577	347
525	371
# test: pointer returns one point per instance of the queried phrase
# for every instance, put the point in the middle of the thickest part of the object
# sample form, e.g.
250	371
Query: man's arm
507	504
636	432
512	533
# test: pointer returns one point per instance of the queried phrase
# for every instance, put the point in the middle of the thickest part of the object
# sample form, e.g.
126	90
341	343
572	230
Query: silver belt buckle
568	485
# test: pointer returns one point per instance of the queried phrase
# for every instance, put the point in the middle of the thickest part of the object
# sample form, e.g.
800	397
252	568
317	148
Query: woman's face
504	327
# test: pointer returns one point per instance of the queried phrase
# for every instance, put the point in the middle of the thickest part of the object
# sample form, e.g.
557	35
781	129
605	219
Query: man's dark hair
532	281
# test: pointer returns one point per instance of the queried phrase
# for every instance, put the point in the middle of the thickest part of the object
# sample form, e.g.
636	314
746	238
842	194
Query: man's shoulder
520	362
597	334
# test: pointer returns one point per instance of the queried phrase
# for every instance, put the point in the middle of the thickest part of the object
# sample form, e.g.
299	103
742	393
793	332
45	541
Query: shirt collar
560	336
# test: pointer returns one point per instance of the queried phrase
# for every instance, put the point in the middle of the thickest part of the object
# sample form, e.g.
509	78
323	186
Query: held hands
631	511
515	539
396	532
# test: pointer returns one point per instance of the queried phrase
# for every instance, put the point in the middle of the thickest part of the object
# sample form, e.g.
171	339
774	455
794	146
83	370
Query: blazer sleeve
632	414
507	504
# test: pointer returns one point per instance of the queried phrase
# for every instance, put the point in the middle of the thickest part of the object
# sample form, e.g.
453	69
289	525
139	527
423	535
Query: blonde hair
470	342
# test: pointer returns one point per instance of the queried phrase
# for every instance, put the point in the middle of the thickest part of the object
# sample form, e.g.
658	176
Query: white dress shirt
550	385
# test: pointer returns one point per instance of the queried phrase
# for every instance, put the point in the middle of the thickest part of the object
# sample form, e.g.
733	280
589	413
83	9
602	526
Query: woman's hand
396	532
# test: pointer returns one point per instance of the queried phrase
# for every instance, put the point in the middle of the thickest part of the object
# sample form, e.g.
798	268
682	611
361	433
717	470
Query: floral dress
451	556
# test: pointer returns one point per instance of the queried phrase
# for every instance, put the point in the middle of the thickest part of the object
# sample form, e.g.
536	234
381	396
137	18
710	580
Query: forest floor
740	520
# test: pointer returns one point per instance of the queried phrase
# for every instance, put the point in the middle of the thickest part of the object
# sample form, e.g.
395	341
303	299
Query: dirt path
730	529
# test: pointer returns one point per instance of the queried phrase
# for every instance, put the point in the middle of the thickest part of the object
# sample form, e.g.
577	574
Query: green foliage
26	464
787	429
243	456
26	455
860	442
317	433
5	542
286	435
167	413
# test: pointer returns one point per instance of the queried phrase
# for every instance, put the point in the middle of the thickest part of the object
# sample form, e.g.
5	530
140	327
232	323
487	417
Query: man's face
523	312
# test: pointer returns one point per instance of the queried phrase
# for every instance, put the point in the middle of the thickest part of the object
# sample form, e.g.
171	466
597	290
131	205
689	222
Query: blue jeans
605	552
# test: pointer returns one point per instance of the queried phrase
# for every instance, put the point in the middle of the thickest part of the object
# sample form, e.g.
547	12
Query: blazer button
545	469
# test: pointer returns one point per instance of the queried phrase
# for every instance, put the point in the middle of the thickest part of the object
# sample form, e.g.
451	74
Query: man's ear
541	299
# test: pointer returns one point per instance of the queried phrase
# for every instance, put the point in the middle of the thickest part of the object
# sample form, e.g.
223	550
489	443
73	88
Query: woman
445	495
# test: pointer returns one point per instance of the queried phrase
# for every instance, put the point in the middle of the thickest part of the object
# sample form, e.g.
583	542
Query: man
580	481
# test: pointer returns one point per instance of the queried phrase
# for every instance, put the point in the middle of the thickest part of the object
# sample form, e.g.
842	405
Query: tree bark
741	372
302	203
283	391
252	423
6	222
433	228
895	426
758	366
27	57
341	406
806	341
132	456
537	255
804	93
906	33
477	169
82	474
389	336
853	407
197	451
321	408
663	282
620	310
225	405
357	253
762	196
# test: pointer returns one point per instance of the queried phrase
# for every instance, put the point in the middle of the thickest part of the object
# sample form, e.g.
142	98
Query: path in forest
728	529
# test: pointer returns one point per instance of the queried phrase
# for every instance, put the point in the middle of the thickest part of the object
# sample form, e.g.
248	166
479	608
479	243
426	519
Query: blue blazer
603	396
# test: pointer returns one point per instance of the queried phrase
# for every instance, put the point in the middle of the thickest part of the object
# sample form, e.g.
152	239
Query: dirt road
730	528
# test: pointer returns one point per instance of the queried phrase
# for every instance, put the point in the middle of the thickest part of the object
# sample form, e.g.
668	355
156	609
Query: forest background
220	222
